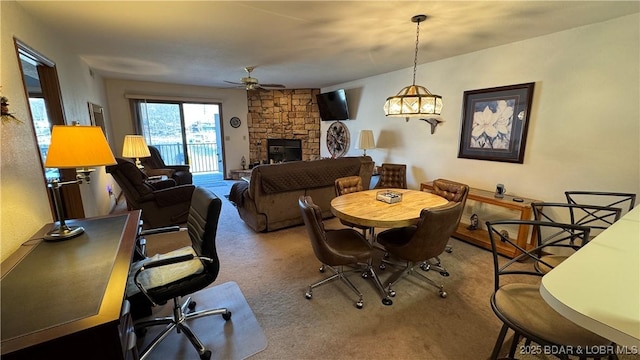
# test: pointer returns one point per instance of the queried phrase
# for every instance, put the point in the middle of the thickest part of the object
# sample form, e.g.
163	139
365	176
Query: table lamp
80	148
135	147
365	141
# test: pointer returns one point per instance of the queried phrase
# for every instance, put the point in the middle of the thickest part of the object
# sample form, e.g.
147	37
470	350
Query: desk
598	287
64	299
362	208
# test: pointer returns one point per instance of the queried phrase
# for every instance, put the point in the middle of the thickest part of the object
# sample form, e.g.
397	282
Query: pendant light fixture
414	100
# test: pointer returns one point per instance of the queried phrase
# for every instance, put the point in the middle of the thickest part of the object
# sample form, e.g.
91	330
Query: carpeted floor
273	270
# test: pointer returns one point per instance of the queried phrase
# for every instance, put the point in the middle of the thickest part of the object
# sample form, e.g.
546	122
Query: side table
480	236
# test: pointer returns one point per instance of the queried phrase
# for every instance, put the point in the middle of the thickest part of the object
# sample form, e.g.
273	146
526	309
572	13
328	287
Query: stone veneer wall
283	114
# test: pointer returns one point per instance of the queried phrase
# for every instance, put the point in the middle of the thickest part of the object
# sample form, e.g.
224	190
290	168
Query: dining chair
342	251
392	176
625	201
159	279
413	245
347	185
452	191
596	218
517	302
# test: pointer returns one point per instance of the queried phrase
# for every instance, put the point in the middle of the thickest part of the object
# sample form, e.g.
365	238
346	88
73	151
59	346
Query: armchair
179	273
154	165
392	176
163	203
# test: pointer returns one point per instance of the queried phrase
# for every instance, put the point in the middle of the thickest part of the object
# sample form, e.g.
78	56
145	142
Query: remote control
517	200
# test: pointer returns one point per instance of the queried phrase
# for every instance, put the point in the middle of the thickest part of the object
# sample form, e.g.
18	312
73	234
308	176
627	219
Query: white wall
584	130
24	207
234	103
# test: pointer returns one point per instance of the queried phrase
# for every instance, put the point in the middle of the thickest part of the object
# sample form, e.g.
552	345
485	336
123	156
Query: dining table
362	207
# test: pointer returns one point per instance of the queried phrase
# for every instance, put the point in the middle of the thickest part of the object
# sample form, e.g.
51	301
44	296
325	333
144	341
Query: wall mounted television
333	105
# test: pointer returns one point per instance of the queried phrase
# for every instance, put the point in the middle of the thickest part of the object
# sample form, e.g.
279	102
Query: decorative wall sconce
433	122
4	111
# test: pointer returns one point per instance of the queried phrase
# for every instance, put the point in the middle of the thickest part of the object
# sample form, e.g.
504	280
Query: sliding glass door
183	132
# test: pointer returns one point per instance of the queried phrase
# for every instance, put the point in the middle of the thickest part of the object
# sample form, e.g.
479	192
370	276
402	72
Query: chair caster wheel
308	295
382	267
443	294
359	304
387	301
444	273
321	269
448	250
227	316
192	305
206	355
365	275
392	293
425	267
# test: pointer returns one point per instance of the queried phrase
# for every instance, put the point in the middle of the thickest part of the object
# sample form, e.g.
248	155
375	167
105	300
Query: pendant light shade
414	100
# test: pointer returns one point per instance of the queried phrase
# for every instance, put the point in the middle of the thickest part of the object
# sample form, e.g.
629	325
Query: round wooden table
362	208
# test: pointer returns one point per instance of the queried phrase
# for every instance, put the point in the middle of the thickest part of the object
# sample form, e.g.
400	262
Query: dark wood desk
64	300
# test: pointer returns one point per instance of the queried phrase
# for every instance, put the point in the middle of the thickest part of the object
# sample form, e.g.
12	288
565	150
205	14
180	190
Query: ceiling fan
251	83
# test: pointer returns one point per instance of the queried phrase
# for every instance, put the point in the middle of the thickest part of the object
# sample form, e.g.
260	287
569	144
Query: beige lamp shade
77	146
135	147
365	141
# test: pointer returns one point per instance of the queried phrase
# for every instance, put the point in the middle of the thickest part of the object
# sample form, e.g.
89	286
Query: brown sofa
270	201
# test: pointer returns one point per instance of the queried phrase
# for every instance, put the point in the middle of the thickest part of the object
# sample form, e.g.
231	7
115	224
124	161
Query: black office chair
516	299
336	249
199	266
419	243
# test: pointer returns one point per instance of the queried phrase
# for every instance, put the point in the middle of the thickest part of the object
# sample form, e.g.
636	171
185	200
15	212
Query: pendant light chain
415	57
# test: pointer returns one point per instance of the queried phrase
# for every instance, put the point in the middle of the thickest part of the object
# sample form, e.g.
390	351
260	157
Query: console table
66	299
480	236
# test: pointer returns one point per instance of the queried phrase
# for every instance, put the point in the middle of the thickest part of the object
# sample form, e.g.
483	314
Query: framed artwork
96	114
495	123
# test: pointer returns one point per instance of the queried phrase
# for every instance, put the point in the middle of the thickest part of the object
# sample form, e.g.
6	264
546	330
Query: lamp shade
365	140
78	147
135	147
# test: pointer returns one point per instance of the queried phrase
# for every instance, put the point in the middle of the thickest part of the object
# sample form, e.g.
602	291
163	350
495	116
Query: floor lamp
74	147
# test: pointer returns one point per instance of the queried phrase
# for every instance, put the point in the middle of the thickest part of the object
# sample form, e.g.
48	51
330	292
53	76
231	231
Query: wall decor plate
338	139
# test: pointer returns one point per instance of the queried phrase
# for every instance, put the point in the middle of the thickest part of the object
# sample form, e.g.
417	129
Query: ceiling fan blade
279	86
234	83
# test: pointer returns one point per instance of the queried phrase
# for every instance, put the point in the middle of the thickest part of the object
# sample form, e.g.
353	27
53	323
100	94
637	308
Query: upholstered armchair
163	203
154	166
392	176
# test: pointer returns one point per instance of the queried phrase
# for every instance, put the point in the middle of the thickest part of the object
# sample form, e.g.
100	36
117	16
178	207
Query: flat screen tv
333	105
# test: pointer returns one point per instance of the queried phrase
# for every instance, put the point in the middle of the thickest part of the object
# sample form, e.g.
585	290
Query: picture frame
495	123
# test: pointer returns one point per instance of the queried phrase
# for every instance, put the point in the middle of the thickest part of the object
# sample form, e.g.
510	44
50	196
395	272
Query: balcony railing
203	157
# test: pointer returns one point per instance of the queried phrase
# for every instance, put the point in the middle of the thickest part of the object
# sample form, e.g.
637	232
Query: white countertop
598	287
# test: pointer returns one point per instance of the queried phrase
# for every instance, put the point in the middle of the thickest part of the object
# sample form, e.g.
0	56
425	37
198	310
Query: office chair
419	243
452	191
155	165
346	185
516	299
392	176
180	273
596	218
337	249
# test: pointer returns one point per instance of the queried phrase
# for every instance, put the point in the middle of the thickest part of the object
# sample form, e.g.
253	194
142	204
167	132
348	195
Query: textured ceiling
301	44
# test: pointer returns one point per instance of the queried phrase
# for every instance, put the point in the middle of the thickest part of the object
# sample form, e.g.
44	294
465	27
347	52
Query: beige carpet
238	338
273	270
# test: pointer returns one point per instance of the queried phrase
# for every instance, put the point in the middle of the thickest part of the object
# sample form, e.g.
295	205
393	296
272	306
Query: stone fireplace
284	115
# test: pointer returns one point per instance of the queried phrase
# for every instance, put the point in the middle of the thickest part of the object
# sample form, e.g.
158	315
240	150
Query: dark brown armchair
392	176
163	203
154	165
